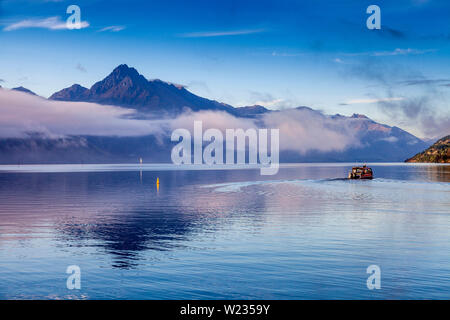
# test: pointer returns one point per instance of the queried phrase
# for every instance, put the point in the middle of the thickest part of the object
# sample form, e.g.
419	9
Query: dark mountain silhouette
73	93
250	111
125	87
22	89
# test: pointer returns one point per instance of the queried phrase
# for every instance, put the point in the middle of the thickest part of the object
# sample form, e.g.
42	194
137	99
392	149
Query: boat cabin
363	172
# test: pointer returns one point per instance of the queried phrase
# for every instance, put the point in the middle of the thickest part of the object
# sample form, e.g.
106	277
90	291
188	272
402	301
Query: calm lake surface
304	233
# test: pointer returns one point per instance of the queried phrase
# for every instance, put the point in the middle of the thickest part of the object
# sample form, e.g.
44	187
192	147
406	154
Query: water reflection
305	223
124	235
438	173
117	213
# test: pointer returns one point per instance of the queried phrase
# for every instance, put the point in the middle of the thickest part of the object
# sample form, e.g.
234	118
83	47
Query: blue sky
276	53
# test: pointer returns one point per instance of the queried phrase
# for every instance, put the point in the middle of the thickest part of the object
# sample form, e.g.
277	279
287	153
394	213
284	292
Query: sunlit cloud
269	101
275	103
23	113
51	23
301	130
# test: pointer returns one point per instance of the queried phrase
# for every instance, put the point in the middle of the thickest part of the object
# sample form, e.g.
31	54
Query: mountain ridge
125	87
25	90
438	152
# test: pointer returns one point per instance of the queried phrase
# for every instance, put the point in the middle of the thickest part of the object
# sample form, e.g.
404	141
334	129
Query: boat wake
333	183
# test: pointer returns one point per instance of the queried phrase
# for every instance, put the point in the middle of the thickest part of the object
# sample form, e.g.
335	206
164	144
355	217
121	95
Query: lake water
304	233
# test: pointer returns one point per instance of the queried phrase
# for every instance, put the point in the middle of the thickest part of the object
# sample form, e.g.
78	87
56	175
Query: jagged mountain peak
359	116
122	77
123	71
126	87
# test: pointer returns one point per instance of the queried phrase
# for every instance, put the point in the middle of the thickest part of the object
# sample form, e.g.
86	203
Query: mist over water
306	233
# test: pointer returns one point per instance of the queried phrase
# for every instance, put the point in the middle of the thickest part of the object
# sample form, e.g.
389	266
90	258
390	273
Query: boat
363	172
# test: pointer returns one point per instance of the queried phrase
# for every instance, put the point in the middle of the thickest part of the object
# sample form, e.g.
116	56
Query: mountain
73	93
250	111
82	149
439	152
125	87
22	89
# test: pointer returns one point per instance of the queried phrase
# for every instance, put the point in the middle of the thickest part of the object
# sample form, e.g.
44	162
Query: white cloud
301	130
358	101
211	119
112	28
392	139
272	104
396	52
269	101
23	113
286	54
399	51
51	23
220	33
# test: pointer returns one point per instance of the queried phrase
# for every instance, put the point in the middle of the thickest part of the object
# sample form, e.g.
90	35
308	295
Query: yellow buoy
157	183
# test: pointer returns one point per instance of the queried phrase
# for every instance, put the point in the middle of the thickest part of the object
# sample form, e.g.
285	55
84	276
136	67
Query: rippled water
209	234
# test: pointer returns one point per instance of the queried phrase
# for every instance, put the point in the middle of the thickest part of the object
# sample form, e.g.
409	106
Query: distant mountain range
125	87
439	152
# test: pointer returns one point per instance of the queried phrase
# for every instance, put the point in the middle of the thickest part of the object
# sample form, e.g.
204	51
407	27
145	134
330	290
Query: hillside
439	152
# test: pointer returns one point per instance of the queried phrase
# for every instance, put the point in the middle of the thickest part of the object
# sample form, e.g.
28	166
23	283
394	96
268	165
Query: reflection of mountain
118	213
115	212
125	87
120	217
125	235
